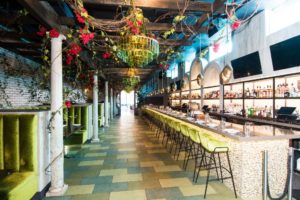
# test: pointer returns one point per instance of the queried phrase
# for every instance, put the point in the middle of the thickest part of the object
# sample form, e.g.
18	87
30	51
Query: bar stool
184	141
175	135
212	147
170	132
195	150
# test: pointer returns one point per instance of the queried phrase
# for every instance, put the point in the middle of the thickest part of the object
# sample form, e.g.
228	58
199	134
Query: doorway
127	101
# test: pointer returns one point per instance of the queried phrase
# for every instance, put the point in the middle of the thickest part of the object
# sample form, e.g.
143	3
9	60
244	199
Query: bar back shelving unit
263	97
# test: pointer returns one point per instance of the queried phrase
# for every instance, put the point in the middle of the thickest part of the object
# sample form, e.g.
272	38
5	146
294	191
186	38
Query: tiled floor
130	164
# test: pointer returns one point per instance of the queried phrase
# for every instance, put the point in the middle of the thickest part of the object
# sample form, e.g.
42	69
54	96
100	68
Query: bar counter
246	152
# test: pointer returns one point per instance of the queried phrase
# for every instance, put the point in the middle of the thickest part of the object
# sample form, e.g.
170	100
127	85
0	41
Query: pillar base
95	140
53	192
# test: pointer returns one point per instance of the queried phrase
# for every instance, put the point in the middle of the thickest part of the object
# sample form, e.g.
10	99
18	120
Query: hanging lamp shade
226	74
138	50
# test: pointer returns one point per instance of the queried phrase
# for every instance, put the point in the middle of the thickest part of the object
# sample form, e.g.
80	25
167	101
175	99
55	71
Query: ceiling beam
218	6
15	35
125	70
30	53
16	44
154	4
168	42
43	12
150	26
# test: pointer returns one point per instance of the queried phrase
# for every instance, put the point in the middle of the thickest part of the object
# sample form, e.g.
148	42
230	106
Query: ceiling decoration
136	48
102	31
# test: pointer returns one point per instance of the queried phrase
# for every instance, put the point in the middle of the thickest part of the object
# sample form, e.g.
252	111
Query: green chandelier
138	50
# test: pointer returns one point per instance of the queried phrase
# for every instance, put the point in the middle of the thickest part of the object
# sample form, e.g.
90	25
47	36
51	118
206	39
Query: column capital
61	37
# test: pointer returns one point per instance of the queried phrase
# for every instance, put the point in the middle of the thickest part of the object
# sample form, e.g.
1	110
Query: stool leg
216	166
208	173
180	146
198	172
220	167
230	171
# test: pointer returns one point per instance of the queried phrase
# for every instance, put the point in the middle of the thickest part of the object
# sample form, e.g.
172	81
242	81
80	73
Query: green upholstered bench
79	136
18	153
100	116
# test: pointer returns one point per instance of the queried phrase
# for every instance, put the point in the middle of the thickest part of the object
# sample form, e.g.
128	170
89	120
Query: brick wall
19	84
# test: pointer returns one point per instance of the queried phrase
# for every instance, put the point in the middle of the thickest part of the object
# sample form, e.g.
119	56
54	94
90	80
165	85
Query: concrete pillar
106	111
111	103
95	109
58	187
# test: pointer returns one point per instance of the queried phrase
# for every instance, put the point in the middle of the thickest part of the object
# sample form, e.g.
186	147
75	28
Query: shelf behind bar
258	98
257	120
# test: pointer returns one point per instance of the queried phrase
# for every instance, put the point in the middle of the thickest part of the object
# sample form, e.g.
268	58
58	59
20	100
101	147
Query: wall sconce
199	79
226	74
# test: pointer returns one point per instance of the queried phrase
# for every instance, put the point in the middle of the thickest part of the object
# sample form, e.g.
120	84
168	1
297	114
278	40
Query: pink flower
235	25
87	37
92	35
80	19
42	31
68	104
129	23
69	59
135	31
106	55
54	33
140	22
74	49
216	47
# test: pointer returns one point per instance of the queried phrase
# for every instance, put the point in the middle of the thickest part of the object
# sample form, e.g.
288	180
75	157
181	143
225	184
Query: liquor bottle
247	93
292	90
277	93
254	93
286	90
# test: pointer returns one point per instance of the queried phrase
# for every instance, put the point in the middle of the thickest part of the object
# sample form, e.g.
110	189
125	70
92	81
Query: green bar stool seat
212	147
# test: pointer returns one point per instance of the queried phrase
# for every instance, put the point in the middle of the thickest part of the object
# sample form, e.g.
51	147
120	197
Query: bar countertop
235	131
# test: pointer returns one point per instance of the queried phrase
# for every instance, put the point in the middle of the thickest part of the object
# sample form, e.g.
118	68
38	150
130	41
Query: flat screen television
248	65
286	54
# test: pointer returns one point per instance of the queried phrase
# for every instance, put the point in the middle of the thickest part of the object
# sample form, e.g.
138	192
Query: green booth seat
18	144
71	116
77	115
66	116
100	114
80	135
66	121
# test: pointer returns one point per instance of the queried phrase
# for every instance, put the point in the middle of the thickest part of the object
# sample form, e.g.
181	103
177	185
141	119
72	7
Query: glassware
248	128
207	118
223	123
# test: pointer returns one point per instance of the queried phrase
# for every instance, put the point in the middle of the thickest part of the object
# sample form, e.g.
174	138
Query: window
169	73
190	56
187	66
174	68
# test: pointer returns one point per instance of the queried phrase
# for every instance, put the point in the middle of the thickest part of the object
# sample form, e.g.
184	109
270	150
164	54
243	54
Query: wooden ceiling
19	33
